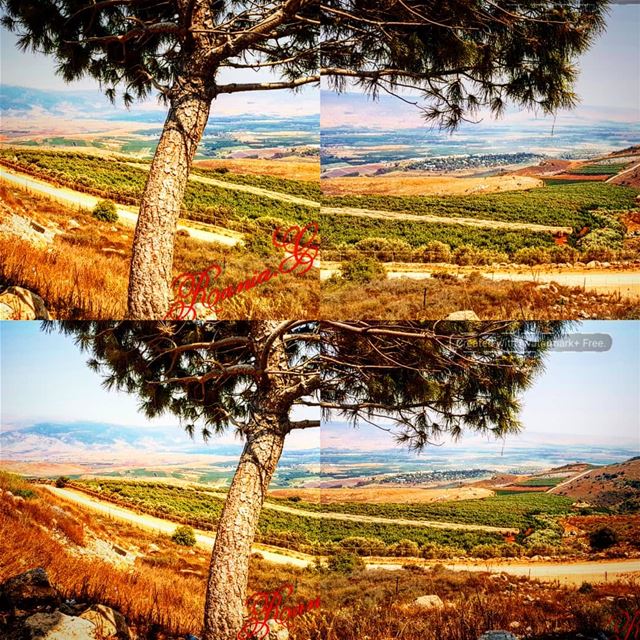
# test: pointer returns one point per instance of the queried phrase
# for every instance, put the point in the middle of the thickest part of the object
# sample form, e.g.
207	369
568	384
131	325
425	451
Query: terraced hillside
228	200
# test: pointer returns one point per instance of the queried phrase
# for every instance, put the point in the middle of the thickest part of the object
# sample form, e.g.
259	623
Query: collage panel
319	320
438	480
480	160
156	166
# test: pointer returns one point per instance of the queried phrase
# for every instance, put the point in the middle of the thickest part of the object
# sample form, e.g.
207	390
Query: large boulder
107	621
28	591
17	303
429	602
58	626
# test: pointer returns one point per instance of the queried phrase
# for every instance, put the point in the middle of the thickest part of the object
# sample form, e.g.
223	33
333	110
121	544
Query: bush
62	481
185	536
436	251
531	256
105	211
362	270
602	538
364	546
404	549
345	563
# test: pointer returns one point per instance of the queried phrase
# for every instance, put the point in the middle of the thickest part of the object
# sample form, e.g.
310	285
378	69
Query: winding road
128	215
568	572
350	517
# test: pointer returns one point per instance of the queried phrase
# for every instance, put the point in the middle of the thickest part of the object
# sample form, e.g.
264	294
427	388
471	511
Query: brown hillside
607	486
629	178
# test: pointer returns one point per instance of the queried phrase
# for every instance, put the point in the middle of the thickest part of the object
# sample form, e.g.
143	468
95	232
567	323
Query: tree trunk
229	571
152	260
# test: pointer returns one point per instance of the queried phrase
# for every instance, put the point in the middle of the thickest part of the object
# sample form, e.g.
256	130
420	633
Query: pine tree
176	48
419	380
460	56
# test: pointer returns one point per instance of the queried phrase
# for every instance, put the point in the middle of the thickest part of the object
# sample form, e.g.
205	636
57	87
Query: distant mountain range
25	101
359	111
81	441
60	440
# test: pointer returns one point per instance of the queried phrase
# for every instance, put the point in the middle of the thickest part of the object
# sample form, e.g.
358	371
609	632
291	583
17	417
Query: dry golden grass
293	169
401	184
376	494
165	591
436	298
78	280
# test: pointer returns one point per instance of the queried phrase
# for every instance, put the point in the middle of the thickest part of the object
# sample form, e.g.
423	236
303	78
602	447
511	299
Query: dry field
163	596
401	184
292	169
375	494
435	298
84	273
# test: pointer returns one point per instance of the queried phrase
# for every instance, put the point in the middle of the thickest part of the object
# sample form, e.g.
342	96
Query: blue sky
38	71
581	396
44	377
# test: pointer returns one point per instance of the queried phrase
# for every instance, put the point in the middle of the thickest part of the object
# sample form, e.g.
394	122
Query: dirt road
151	523
566	573
468	222
627	283
128	215
572	573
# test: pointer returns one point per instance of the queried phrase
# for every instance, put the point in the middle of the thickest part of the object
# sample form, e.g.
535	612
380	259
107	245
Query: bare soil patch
375	494
401	184
293	169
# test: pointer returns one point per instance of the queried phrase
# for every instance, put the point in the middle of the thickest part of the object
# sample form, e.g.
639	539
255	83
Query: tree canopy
460	56
142	46
421	380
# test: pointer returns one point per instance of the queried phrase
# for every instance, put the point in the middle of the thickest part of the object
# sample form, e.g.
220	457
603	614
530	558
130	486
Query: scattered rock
277	631
17	303
25	228
72	224
119	550
107	621
429	602
29	590
497	635
58	626
120	252
463	315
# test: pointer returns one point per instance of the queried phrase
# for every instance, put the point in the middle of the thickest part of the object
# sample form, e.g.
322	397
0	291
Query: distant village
422	477
447	164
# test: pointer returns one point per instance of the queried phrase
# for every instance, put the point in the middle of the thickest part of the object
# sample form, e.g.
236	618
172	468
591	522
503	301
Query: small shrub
185	536
362	271
602	538
62	481
295	499
346	563
585	587
105	211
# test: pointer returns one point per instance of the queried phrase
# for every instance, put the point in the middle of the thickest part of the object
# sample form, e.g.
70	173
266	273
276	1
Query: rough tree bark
229	571
152	259
227	586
